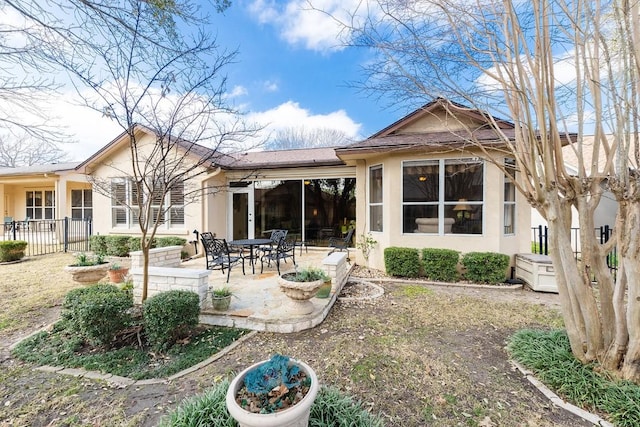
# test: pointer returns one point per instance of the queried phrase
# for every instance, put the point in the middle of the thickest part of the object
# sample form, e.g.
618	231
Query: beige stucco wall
492	239
440	122
118	164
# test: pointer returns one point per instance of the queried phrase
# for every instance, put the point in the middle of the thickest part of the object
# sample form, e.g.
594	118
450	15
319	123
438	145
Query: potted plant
117	273
88	269
275	392
302	285
221	298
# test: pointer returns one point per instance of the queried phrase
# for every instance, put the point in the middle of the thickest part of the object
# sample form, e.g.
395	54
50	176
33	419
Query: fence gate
46	236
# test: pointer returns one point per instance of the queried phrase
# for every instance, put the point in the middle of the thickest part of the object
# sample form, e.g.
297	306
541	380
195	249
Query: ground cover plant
548	354
63	347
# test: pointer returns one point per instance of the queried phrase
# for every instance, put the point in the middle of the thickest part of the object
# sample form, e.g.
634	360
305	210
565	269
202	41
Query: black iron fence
46	236
540	243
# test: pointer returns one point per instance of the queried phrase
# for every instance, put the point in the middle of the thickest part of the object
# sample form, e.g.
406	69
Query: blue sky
290	71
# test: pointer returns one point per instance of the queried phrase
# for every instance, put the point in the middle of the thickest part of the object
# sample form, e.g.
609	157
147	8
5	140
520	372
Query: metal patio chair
341	243
286	248
218	255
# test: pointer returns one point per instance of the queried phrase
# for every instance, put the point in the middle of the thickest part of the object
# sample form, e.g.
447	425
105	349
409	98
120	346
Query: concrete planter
87	274
300	294
295	416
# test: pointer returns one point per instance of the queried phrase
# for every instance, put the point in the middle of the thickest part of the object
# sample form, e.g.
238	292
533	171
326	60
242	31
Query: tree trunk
628	259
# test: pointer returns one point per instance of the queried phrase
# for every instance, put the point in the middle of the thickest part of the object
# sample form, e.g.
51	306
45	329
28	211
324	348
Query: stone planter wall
162	279
336	266
168	256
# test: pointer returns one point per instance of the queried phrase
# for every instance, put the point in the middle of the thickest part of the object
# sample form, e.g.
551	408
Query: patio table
250	243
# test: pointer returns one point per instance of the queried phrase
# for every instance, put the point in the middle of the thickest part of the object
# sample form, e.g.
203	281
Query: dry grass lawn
418	356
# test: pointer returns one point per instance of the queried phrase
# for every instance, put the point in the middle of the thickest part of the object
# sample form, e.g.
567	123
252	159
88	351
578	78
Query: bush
98	244
134	244
440	264
168	316
12	250
162	242
485	267
98	312
118	246
403	262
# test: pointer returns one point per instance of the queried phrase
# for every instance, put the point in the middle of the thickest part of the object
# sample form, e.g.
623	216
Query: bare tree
302	137
175	92
558	70
26	151
37	37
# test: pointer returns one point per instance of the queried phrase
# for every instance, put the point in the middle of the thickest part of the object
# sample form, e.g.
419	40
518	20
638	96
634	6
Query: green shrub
118	245
134	244
169	315
440	264
98	244
98	312
12	250
162	242
485	267
403	262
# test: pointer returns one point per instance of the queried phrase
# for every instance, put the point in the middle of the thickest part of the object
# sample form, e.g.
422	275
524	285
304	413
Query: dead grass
31	285
419	356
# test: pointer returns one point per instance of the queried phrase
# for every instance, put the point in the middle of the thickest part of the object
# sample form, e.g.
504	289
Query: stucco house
418	182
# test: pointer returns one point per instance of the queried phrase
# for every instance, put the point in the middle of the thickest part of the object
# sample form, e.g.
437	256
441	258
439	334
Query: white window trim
369	203
506	203
131	221
441	203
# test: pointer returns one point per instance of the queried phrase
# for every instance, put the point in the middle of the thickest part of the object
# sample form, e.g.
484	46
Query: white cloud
317	25
270	86
291	115
238	91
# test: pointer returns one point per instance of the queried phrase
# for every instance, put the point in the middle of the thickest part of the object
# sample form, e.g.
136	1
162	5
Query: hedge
403	262
485	267
169	315
440	264
12	250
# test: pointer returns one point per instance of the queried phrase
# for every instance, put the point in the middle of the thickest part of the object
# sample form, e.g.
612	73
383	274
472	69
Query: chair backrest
8	219
277	235
286	244
347	238
213	247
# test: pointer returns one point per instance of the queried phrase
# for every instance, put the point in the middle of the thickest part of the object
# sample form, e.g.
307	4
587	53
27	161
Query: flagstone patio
257	301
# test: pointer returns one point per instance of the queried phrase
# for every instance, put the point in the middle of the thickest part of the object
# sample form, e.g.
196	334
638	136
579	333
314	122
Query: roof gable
442	115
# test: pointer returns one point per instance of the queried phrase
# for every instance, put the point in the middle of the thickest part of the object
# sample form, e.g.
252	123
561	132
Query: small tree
173	91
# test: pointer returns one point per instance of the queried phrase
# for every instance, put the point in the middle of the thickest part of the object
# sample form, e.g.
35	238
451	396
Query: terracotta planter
87	274
300	293
220	303
295	416
117	276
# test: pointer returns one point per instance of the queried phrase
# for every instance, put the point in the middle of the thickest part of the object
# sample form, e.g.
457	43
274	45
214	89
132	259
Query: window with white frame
509	216
443	196
40	204
375	198
167	208
81	204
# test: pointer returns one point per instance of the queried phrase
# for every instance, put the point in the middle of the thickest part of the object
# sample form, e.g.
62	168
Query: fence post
65	233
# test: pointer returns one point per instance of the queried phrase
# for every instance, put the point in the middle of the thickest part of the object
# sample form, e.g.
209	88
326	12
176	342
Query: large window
124	204
81	204
509	197
375	198
40	204
442	196
311	209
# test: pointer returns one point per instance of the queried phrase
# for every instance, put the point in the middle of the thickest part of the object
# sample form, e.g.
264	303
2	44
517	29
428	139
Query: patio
257	301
